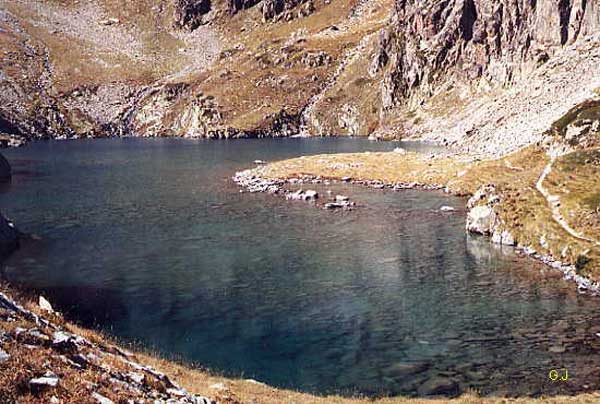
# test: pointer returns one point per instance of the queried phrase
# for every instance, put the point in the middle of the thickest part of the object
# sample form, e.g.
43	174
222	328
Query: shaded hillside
445	70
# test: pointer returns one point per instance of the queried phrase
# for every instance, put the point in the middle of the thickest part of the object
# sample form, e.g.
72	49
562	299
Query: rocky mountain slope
480	75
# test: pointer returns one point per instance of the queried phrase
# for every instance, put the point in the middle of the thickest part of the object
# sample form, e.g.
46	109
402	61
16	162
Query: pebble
557	349
447	209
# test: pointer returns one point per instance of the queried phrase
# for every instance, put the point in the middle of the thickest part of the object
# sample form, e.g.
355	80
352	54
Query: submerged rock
9	237
402	369
5	170
437	386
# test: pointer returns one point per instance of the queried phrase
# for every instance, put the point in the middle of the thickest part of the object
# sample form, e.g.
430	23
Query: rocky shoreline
68	356
253	183
481	216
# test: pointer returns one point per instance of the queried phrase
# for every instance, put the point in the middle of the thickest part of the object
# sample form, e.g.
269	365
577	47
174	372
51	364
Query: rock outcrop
234	6
483	218
430	42
190	14
471	74
283	9
9	235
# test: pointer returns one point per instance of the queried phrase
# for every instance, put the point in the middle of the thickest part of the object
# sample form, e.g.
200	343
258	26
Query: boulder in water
5	171
439	386
9	237
481	219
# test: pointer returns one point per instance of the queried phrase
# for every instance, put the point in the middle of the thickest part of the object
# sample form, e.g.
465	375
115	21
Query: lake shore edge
54	359
205	383
462	176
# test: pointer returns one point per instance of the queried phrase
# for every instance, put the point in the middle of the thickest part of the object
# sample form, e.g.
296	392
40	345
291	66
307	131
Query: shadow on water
150	241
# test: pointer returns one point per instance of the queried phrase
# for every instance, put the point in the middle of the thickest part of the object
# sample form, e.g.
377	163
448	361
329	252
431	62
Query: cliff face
498	41
455	71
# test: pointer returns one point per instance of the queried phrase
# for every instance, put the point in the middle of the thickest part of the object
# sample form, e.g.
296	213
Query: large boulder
481	215
481	220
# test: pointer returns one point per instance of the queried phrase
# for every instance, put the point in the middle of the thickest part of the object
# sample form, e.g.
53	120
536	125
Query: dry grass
250	85
575	178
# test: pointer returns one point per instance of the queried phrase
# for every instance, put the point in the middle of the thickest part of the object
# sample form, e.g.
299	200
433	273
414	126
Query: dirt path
554	204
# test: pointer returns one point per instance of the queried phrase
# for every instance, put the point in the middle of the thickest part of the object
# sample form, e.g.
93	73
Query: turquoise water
151	241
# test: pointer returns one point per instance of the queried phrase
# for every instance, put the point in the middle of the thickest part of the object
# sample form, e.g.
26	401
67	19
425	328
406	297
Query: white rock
399	150
311	194
504	238
45	305
260	162
295	196
255	382
60	337
100	399
341	198
218	386
447	209
481	219
4	356
136	377
43	382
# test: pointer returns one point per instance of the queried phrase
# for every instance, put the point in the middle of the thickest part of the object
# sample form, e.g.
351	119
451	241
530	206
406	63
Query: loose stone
100	399
43	383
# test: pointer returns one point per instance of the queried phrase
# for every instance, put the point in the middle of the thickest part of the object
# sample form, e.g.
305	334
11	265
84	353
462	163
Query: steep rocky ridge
476	74
479	75
508	48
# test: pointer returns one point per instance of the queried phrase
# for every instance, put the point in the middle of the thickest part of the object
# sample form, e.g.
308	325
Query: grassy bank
523	210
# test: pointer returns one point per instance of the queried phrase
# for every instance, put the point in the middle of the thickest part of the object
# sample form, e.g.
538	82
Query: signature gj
556	376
